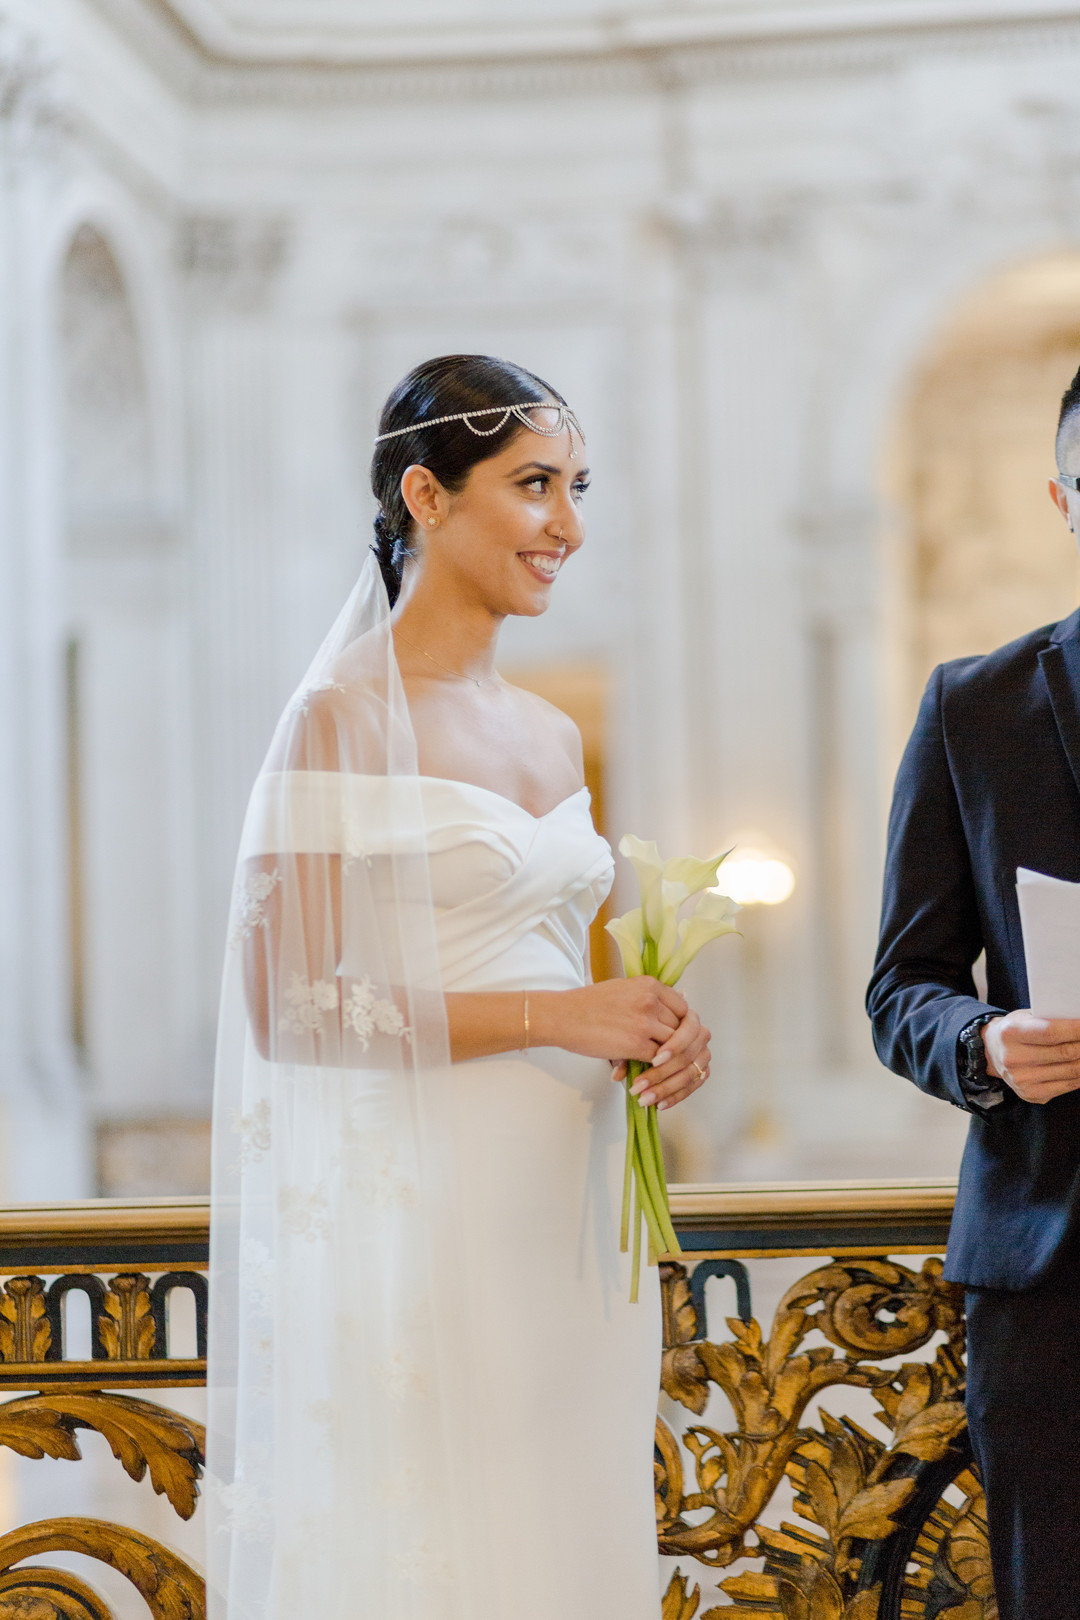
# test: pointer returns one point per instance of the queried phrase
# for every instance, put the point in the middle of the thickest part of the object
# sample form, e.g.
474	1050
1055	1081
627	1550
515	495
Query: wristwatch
981	1089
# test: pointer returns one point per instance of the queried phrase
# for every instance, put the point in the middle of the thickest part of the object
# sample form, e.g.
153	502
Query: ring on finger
701	1073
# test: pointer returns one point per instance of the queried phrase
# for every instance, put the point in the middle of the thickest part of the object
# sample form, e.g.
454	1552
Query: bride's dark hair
441	387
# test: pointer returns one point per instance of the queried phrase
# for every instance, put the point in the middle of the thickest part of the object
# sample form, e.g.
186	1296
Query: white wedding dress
429	1396
565	1368
372	1367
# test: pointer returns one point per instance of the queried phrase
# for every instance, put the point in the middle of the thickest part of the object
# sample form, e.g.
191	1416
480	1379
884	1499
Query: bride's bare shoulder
550	724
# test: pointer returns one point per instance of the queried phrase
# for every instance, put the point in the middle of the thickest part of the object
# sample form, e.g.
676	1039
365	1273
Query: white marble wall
726	233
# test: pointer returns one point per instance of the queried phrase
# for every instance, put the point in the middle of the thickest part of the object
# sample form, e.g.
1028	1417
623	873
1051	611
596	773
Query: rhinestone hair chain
566	419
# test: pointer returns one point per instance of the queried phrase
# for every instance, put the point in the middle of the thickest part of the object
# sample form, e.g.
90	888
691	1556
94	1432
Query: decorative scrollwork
39	1593
128	1322
170	1588
142	1436
860	1491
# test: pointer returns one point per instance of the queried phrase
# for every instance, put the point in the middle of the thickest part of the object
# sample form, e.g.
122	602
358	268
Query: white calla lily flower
672	896
697	875
653	939
627	933
647	863
712	917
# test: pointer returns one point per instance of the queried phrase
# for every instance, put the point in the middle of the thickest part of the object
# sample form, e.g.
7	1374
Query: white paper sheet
1050	919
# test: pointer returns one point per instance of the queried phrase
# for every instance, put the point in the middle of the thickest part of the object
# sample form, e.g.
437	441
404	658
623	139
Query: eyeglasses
1068	480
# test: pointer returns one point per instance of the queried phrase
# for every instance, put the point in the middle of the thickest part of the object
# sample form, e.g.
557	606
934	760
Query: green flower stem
633	1069
644	1186
646	1199
654	1181
628	1166
635	1265
658	1150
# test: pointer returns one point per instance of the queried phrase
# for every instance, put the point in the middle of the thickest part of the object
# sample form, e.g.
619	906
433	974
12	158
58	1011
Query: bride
429	1396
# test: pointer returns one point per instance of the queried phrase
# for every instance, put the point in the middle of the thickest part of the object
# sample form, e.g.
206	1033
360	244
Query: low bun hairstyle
441	387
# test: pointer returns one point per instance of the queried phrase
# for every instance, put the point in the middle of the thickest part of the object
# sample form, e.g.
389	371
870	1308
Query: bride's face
504	538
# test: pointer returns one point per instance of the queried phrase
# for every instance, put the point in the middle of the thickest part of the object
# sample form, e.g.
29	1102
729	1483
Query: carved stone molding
209	65
231	262
837	560
524	261
32	110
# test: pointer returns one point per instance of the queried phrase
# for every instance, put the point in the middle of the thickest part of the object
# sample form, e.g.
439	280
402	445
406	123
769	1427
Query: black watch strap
980	1088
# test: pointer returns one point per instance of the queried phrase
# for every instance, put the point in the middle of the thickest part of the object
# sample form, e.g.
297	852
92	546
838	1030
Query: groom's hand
1039	1058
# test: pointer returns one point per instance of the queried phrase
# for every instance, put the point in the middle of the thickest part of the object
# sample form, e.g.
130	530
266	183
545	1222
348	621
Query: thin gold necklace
409	643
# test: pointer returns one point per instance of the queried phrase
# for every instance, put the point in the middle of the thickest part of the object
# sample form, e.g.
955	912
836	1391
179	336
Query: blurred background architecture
810	275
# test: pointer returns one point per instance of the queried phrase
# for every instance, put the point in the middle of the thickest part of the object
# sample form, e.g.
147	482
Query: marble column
45	1137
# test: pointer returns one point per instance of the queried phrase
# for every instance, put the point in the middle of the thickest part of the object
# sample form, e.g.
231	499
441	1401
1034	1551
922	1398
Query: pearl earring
431	522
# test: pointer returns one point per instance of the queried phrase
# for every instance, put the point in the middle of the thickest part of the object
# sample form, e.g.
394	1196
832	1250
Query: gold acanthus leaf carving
127	1324
839	1487
141	1435
667	1474
948	1574
25	1334
170	1589
679	1602
680	1316
36	1430
868	1310
968	1554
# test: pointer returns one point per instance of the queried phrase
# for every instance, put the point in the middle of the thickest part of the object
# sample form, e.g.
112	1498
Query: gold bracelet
526	1010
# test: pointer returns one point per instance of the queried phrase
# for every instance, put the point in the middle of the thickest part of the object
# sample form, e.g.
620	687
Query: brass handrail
813	1217
748	1218
136	1217
124	1233
693	1200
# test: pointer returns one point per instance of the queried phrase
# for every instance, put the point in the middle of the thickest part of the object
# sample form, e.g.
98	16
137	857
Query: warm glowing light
753	878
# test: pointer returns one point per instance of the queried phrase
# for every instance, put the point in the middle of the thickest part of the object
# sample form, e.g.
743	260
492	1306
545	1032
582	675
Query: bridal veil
338	1412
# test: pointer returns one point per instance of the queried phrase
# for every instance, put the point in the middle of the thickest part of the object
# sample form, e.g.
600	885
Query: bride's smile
544	563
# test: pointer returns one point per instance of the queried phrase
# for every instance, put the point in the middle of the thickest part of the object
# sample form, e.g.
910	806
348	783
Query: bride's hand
616	1019
678	1070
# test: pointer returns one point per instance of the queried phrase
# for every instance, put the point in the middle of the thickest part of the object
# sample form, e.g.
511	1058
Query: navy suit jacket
990	781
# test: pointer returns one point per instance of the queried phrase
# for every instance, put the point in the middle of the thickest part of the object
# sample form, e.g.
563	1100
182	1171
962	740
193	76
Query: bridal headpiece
565	419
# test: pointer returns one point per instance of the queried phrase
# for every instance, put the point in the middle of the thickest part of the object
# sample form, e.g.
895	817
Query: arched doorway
982	556
126	680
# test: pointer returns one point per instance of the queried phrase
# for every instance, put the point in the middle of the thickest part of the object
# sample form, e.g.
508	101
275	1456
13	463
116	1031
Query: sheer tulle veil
338	1415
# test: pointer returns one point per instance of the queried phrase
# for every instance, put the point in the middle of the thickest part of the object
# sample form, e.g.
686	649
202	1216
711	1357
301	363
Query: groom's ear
1059	496
424	496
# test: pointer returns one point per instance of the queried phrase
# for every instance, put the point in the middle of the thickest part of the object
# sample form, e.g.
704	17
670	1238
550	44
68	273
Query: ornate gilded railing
887	1518
888	1514
129	1260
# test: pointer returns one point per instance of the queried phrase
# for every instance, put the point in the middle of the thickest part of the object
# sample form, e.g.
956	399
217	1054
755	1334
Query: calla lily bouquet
655	939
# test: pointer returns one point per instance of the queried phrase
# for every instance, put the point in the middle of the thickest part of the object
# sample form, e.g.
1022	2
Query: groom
990	781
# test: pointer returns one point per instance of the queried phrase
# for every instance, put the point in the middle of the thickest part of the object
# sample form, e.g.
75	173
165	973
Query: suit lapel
1060	665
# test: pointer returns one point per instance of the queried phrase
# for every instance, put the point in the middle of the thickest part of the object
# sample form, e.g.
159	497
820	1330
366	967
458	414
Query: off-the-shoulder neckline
454	781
